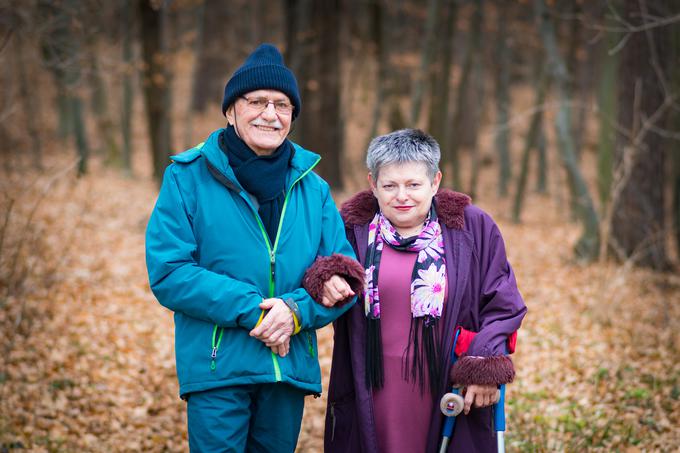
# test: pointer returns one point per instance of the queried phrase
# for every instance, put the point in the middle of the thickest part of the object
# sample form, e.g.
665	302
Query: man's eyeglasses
259	104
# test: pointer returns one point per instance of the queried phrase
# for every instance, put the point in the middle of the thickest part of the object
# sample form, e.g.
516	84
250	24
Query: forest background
561	118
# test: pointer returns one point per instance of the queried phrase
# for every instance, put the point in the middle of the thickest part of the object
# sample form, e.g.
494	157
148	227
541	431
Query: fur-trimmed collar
361	208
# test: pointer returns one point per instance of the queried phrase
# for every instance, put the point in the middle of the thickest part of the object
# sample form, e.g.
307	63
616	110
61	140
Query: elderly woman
238	221
433	262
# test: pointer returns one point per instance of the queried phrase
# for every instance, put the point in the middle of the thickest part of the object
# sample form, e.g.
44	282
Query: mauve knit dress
402	414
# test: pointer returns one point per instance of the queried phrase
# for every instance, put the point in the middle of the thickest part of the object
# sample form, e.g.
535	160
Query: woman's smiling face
263	131
404	192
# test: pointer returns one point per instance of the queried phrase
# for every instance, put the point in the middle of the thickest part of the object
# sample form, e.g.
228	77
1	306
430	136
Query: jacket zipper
272	254
310	344
272	275
215	345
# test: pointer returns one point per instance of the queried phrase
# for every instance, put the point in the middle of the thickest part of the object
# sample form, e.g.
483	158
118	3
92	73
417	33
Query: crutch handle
451	404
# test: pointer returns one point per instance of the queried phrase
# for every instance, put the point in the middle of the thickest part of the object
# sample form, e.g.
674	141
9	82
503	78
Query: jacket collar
301	161
450	206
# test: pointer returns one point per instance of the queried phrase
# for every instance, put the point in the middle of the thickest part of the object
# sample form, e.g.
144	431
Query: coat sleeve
335	250
175	277
501	310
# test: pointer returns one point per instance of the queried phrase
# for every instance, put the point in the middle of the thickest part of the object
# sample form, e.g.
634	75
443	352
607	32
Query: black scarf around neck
264	177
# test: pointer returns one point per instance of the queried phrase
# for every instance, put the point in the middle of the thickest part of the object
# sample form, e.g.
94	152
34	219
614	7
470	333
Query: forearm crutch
452	404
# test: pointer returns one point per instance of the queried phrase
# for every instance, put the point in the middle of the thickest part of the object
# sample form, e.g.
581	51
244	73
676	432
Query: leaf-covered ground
87	361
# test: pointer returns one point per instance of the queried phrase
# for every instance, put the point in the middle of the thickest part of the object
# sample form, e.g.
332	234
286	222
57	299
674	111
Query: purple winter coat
483	298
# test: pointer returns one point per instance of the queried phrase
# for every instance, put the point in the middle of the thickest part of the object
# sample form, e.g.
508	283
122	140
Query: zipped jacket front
211	262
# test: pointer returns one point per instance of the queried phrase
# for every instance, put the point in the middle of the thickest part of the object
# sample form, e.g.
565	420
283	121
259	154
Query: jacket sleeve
501	310
175	277
335	247
325	267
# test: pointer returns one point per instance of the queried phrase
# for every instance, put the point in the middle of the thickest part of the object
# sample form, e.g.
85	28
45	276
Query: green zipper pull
272	263
215	346
310	343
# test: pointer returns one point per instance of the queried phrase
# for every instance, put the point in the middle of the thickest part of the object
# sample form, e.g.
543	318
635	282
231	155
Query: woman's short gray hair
402	146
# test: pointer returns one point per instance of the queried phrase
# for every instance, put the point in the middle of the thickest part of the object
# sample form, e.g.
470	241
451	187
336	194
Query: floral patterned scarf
428	285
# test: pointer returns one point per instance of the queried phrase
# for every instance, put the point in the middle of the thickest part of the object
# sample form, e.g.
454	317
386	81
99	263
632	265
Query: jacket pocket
342	432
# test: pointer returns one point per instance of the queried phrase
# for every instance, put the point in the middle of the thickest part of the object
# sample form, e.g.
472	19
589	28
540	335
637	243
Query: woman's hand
335	290
480	395
276	327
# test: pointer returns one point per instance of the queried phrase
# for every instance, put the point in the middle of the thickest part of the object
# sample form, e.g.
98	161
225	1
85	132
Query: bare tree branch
626	28
665	133
620	45
5	40
655	55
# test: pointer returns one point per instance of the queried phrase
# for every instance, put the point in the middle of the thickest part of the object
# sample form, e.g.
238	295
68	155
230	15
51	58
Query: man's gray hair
402	146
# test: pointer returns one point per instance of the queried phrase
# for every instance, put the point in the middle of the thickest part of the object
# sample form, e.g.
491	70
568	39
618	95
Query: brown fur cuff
495	370
325	267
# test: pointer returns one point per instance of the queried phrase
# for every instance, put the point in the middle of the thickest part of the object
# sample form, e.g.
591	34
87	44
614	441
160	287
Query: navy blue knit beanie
263	69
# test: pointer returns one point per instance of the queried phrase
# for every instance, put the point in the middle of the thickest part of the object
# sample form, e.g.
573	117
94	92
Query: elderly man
238	221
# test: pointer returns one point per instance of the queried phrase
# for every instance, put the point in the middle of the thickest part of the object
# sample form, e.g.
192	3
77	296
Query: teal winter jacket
210	261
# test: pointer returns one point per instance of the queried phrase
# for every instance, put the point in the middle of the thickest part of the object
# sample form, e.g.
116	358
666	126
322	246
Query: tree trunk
441	78
588	244
79	133
253	13
62	55
397	80
531	142
674	125
213	58
502	82
606	100
327	138
65	119
637	220
127	18
156	83
31	110
382	30
572	64
676	194
433	12
380	40
55	48
100	107
542	149
199	15
477	112
471	53
301	38
314	54
541	141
